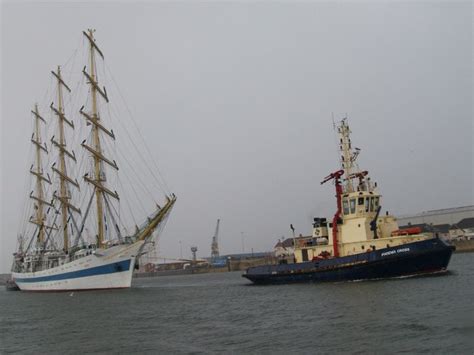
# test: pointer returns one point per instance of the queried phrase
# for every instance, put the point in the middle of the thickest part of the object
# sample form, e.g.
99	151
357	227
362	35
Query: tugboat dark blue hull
423	257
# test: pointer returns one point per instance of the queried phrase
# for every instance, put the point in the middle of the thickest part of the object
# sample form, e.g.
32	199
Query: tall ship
73	236
359	242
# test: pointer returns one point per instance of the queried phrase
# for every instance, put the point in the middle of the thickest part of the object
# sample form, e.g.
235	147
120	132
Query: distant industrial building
451	223
446	216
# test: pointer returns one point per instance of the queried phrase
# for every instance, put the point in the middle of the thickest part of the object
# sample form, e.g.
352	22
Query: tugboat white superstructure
359	243
357	225
56	255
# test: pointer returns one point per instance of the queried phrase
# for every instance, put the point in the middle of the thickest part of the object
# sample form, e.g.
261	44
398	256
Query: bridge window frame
345	206
352	204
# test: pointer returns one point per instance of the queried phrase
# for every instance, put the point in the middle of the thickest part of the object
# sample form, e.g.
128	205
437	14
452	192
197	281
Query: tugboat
359	243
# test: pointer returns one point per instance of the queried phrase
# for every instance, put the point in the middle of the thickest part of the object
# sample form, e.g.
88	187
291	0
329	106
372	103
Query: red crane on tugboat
336	176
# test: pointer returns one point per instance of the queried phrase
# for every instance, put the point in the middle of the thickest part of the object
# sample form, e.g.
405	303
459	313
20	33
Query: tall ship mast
38	195
66	183
358	242
98	178
79	240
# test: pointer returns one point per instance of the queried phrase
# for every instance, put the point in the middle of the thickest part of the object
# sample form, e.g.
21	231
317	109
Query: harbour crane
215	244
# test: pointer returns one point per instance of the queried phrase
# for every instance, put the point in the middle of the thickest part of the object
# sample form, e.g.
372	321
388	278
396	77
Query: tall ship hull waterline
61	246
112	269
358	244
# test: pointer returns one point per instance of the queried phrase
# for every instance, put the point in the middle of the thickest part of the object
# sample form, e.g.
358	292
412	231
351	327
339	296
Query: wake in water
419	275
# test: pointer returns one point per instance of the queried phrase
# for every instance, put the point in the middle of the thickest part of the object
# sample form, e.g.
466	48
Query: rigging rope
139	132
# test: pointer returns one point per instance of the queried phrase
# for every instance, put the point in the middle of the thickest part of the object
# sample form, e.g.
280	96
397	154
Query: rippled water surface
221	313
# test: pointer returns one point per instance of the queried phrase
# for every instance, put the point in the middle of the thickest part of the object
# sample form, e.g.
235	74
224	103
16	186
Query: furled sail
79	225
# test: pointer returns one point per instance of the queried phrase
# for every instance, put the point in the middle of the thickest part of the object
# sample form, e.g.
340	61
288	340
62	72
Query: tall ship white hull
77	232
104	269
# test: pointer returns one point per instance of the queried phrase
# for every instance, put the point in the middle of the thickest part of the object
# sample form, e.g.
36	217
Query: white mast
347	156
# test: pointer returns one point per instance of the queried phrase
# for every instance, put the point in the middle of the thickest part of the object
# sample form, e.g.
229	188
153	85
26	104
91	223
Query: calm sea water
221	313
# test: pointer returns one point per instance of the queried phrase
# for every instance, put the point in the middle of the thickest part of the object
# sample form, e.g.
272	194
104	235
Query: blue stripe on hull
98	270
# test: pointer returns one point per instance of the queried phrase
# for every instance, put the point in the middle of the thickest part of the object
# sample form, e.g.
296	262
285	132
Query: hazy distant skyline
235	101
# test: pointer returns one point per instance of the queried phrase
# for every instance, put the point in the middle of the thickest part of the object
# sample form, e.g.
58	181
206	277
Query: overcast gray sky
235	102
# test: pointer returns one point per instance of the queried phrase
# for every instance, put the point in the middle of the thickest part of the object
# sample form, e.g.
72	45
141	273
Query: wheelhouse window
376	203
372	204
353	205
360	202
367	204
345	205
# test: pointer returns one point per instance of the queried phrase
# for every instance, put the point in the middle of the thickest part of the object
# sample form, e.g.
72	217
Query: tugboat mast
347	158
